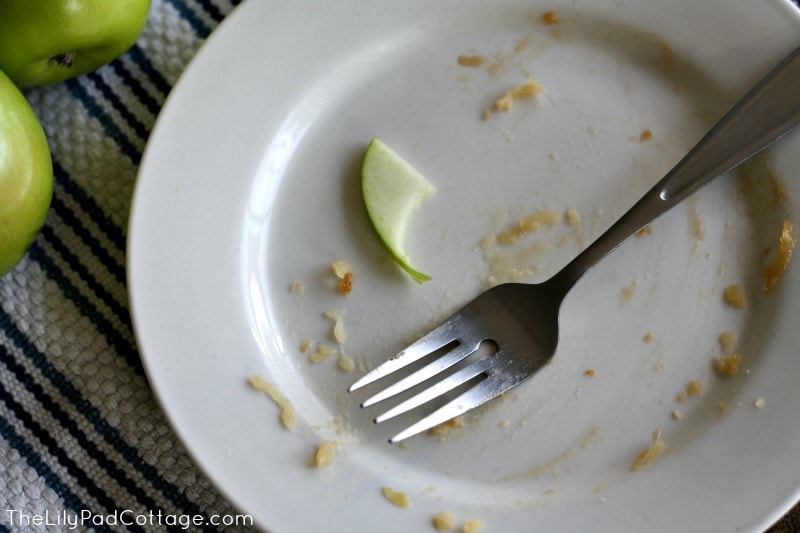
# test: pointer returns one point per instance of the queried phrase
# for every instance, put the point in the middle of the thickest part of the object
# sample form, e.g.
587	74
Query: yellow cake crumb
473	525
775	270
337	333
723	408
529	89
346	363
305	346
340	268
727	365
287	412
655	450
444	521
734	296
646	230
590	372
693	388
297	288
325	454
321	353
645	136
400	499
648	337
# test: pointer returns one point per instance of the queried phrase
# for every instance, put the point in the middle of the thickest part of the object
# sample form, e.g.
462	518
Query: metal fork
522	319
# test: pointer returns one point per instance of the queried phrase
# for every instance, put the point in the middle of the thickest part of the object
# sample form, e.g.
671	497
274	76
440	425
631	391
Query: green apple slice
393	190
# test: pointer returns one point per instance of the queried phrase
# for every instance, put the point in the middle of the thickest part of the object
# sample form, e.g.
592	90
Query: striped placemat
83	443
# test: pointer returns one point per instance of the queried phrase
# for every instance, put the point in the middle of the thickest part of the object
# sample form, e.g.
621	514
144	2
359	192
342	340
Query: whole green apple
45	41
26	175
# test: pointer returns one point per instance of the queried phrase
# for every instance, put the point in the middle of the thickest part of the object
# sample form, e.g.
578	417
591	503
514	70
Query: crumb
648	337
550	18
723	408
734	296
775	270
325	454
471	61
645	136
337	333
590	373
694	388
759	403
297	288
529	89
321	353
446	427
676	414
340	268
444	521
400	499
305	346
473	525
287	414
655	450
646	230
346	363
728	365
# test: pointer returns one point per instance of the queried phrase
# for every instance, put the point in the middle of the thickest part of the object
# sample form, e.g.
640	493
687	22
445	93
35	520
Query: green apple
45	41
26	175
392	191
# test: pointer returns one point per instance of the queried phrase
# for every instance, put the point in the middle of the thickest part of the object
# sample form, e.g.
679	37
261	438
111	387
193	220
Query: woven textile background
79	426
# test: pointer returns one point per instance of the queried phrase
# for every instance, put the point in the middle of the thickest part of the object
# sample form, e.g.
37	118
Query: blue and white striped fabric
81	435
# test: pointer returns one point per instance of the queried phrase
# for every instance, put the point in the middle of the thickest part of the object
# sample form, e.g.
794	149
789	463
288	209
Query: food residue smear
774	271
471	61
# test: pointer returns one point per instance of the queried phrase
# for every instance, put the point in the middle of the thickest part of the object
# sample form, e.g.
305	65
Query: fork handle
767	111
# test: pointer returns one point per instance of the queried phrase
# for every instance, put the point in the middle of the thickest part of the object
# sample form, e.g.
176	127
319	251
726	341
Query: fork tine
436	390
494	385
440	364
432	341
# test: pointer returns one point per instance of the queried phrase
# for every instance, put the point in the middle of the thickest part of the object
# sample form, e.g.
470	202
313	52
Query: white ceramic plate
251	183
